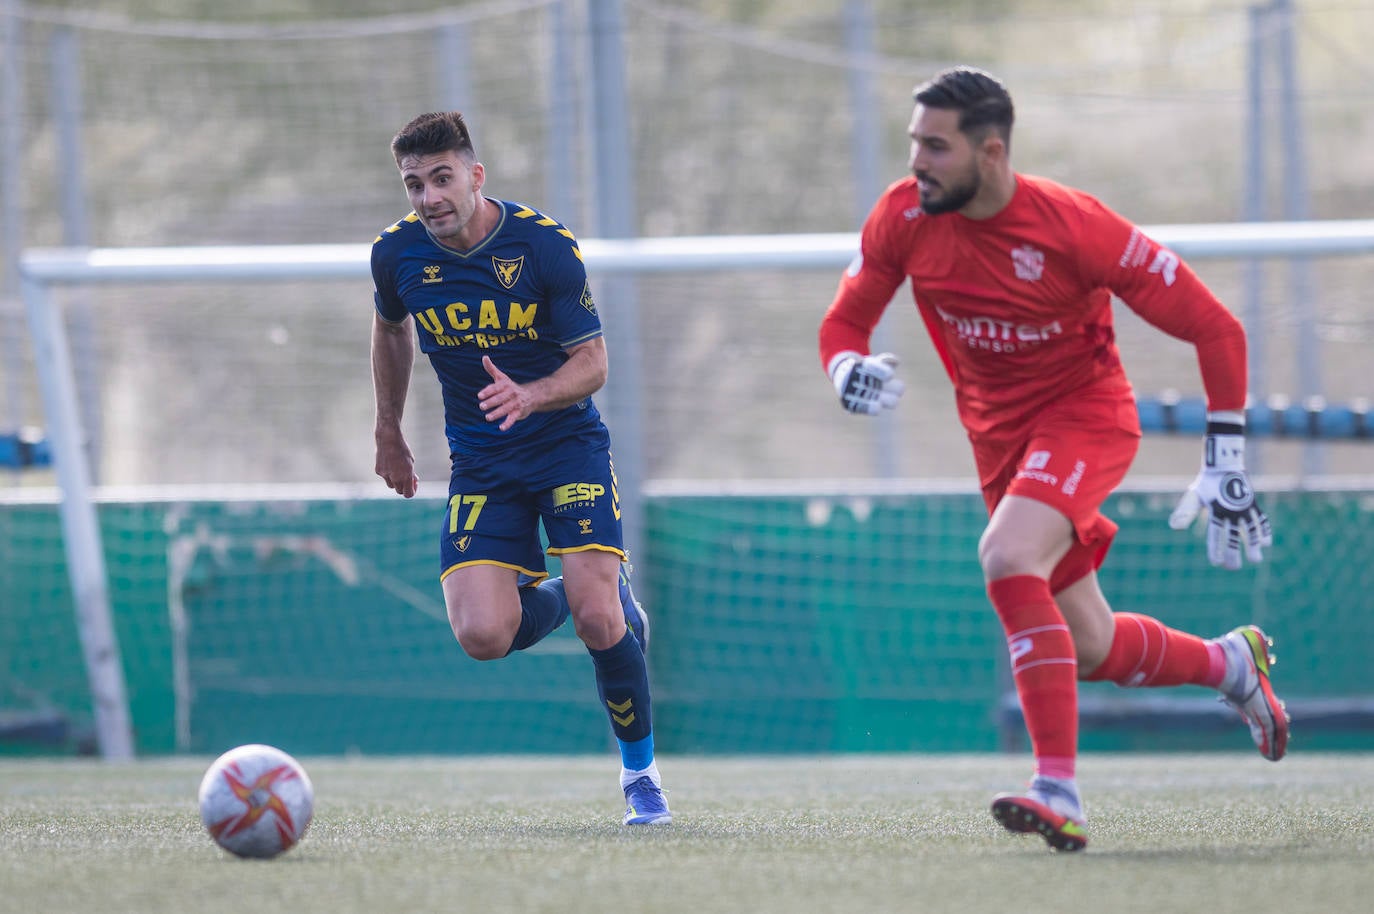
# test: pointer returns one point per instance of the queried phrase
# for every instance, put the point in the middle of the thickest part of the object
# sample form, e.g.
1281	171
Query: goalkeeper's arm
1223	490
1184	308
867	384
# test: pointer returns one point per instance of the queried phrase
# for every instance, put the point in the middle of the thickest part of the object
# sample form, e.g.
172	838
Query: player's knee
600	630
483	641
1092	648
1003	557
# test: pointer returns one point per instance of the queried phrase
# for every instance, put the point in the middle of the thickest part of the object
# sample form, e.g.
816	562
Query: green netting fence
781	623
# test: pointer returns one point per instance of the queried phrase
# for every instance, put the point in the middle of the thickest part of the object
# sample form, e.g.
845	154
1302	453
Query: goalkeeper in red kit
1013	276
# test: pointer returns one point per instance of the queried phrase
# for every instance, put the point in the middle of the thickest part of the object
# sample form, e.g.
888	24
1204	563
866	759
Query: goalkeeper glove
867	384
1222	488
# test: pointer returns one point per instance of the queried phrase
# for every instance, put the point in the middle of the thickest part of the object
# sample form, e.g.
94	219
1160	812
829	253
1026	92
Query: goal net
263	586
251	603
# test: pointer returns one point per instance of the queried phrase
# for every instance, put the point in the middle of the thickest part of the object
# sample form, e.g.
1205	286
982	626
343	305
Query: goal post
80	528
43	270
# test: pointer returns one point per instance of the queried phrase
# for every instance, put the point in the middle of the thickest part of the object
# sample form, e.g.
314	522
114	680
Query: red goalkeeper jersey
1019	305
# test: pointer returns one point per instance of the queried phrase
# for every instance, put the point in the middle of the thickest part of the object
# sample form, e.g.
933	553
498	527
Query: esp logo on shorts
577	493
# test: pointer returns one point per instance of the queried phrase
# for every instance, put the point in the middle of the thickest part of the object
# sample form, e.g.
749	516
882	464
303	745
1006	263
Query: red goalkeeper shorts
1072	457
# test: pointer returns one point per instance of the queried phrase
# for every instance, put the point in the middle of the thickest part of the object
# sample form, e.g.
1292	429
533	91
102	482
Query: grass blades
1168	833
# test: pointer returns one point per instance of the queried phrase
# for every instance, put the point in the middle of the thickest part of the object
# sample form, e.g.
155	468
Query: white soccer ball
256	801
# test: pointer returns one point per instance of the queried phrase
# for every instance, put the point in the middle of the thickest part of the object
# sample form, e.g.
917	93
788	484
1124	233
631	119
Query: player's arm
576	324
866	384
393	355
1160	287
1222	490
583	374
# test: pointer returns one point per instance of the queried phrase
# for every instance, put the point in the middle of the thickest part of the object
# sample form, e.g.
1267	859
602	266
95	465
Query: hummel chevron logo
618	712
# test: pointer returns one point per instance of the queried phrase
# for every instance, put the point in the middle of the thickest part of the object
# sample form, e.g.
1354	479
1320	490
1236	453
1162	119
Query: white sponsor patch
1166	265
1071	484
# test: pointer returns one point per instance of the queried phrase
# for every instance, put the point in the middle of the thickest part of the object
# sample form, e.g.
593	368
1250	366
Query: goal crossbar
642	255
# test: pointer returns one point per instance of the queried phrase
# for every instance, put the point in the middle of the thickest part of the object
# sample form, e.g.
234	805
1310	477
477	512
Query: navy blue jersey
520	296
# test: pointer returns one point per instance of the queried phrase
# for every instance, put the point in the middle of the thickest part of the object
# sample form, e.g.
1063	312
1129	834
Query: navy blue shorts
496	503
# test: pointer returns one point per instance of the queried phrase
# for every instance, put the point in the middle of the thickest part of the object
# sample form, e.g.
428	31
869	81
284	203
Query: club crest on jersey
462	543
432	274
508	271
587	301
1028	262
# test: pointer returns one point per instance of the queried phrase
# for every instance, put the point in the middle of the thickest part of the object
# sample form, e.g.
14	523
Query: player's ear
479	176
993	148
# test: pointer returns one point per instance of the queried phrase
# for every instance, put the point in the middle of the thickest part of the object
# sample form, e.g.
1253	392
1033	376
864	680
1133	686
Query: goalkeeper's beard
948	199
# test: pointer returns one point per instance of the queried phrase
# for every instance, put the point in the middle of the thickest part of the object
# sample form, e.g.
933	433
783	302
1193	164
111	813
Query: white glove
1221	487
867	384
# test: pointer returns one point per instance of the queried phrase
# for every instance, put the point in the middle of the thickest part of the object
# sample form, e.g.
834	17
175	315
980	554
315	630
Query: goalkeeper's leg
1139	651
1017	552
1246	688
1044	670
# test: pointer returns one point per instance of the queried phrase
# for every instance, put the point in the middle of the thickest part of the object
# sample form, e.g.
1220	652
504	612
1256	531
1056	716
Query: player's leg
1131	649
1021	546
483	609
492	566
1246	687
1136	650
1045	511
582	519
543	609
492	617
635	616
592	578
1048	807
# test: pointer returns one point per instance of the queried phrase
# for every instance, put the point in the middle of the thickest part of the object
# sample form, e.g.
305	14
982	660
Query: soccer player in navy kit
498	297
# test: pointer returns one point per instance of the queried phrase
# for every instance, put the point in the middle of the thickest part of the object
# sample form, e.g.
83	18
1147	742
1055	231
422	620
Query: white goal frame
40	270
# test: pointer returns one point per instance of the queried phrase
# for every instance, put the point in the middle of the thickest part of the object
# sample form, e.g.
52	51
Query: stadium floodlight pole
1253	209
67	118
12	197
1296	209
616	219
80	526
869	180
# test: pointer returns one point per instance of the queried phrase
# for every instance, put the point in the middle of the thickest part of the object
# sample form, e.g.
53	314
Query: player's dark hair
433	133
980	98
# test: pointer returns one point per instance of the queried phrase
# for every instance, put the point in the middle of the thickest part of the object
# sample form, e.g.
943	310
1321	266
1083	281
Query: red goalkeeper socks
1146	653
1044	667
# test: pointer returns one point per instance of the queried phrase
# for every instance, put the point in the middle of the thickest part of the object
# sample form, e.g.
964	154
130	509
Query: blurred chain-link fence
152	128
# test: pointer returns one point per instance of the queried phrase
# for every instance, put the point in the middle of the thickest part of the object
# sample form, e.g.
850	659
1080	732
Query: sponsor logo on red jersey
1028	262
